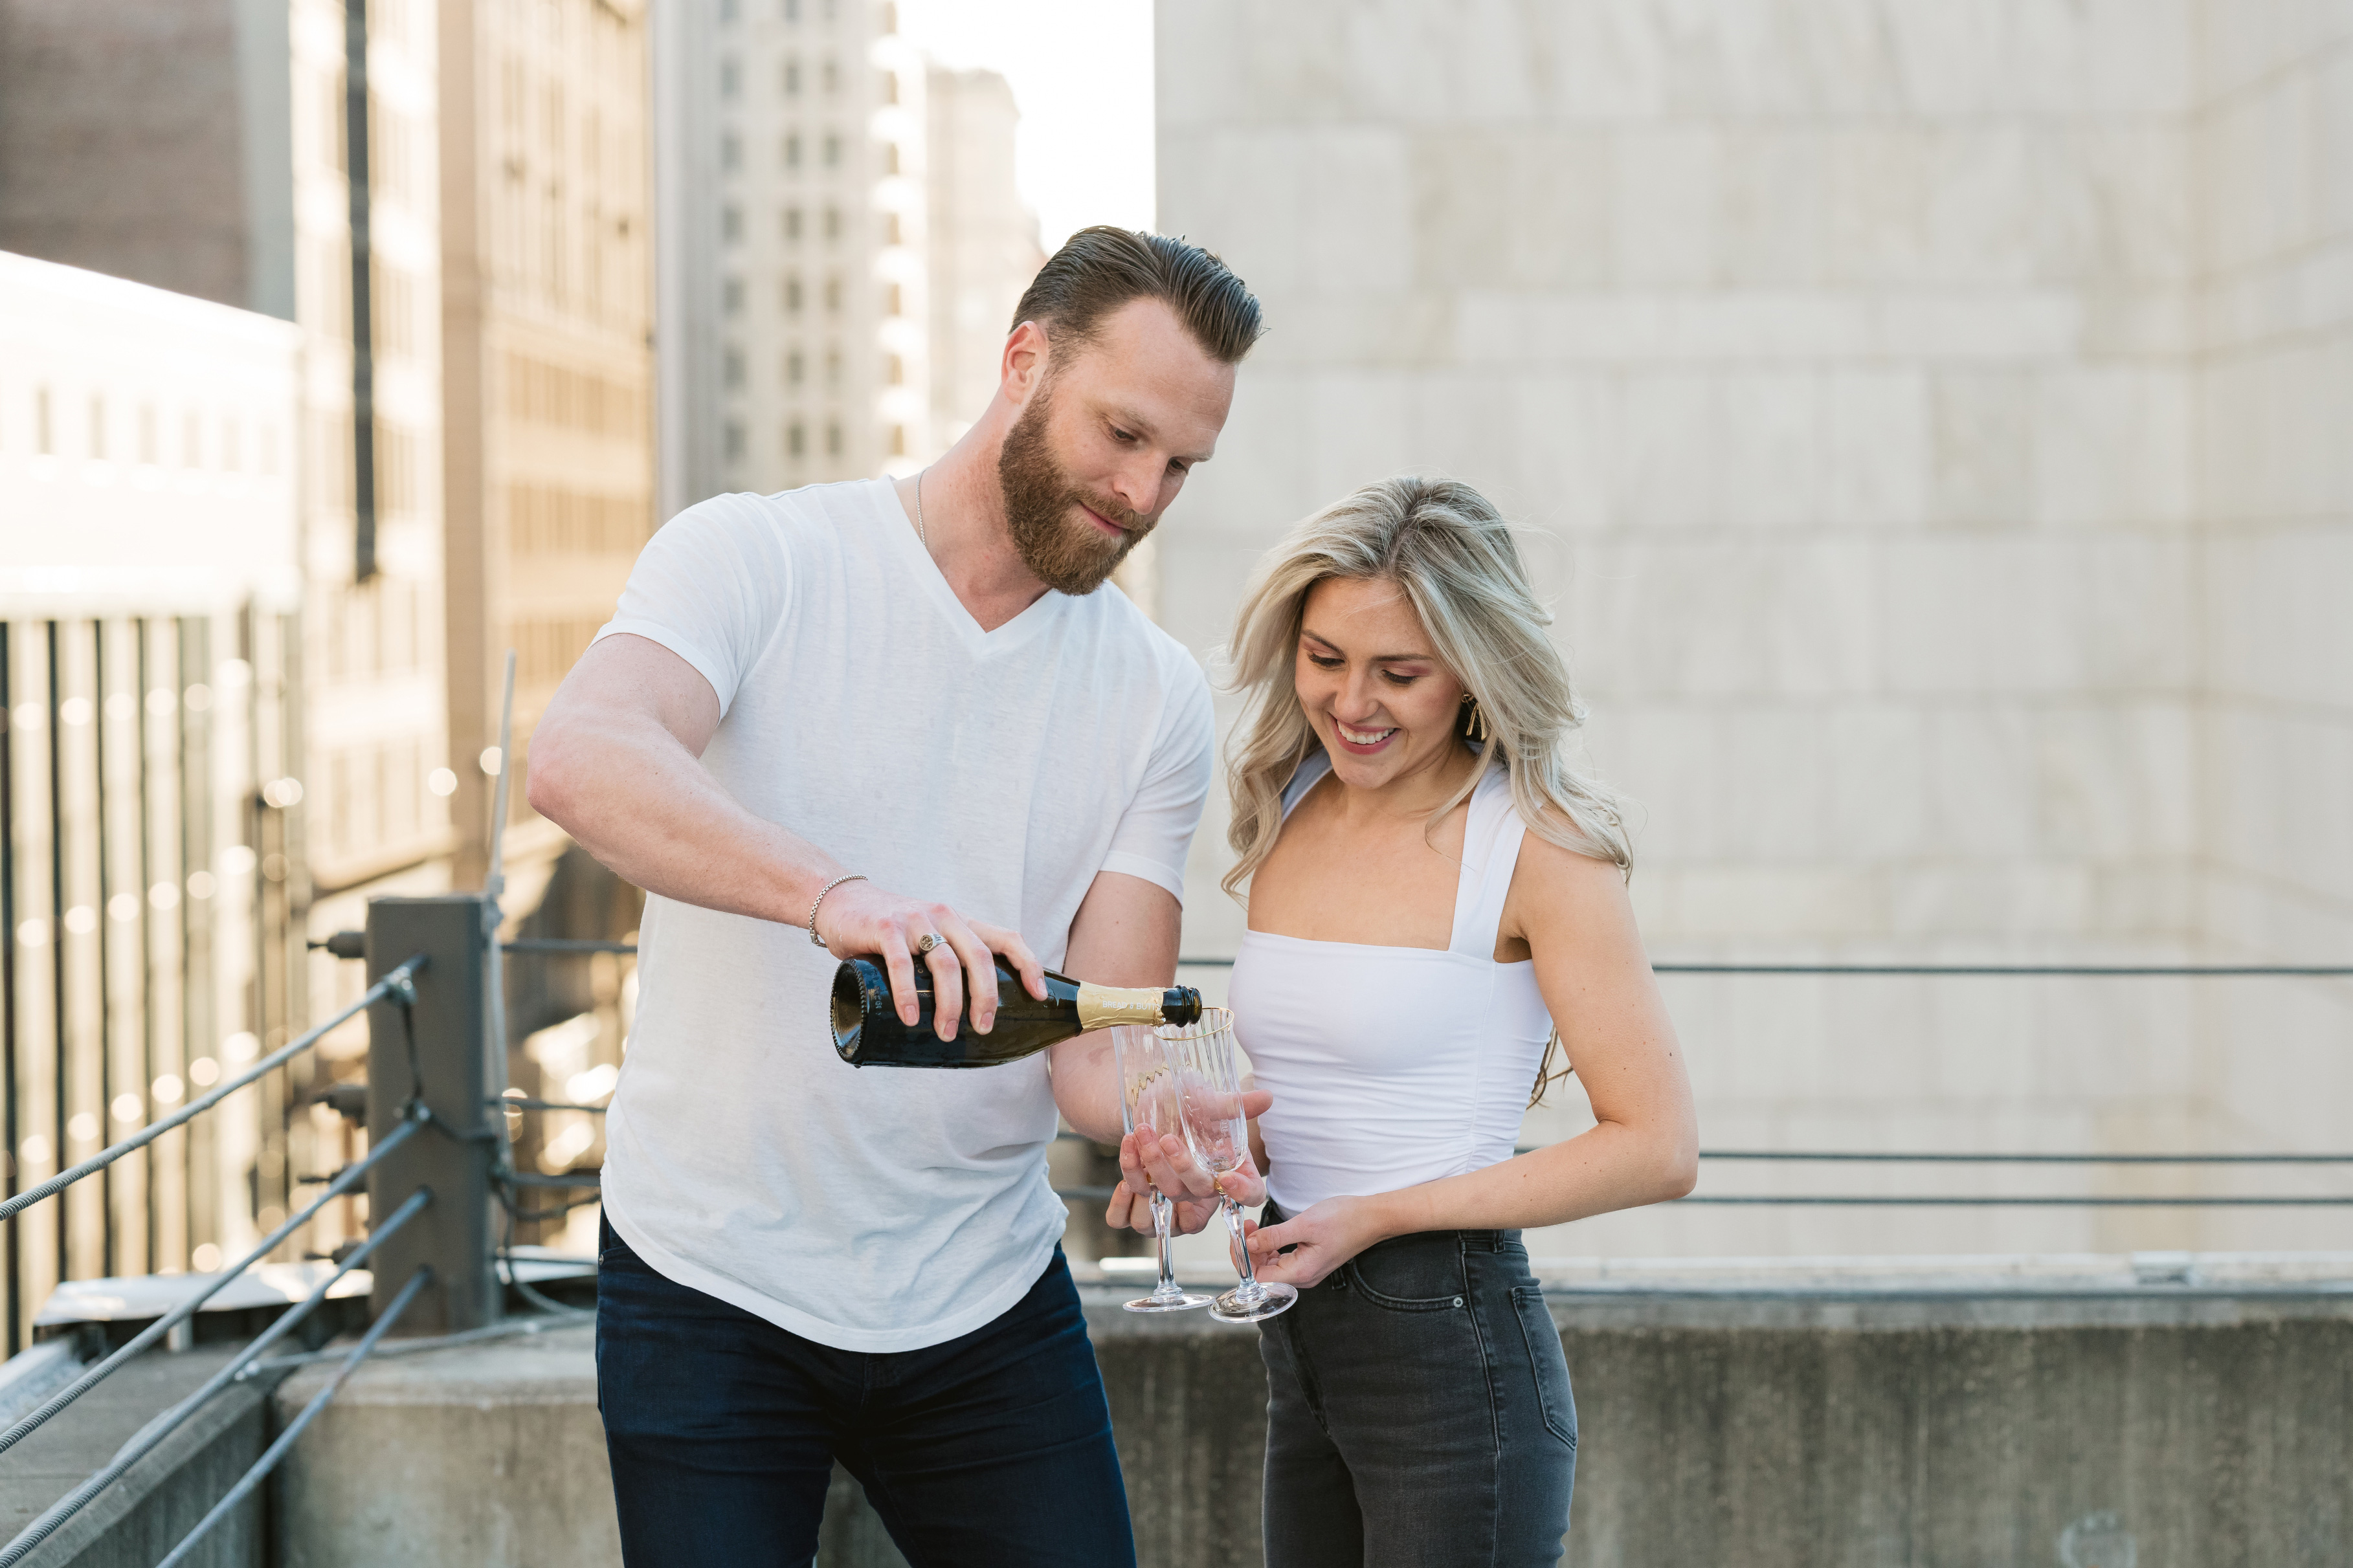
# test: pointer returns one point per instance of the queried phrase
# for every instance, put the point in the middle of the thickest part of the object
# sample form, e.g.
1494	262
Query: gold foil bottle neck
1101	1006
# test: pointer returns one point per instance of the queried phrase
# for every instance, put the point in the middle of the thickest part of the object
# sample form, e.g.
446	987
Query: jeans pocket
1548	1367
1407	1280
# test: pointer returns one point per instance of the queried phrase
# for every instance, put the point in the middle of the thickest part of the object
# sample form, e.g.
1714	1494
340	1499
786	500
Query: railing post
450	1067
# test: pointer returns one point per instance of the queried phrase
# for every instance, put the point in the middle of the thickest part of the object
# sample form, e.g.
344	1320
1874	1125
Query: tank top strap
1303	779
1491	848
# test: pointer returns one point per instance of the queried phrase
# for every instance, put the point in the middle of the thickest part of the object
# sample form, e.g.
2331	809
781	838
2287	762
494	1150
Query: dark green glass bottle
867	1033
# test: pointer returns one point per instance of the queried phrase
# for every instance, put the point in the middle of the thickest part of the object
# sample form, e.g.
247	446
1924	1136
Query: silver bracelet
821	892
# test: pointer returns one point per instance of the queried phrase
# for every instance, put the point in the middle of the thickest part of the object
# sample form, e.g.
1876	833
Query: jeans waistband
1468	1240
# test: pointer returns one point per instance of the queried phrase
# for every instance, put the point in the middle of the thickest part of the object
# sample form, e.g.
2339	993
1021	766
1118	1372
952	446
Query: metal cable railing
171	1420
2308	970
397	986
2095	971
253	1478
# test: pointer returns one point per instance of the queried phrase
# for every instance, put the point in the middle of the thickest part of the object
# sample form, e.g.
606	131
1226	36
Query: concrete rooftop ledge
1991	1405
1898	1290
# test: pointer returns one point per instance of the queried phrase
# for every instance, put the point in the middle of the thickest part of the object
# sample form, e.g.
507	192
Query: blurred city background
1928	418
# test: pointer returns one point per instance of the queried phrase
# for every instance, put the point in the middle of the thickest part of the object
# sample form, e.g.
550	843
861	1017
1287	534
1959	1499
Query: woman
1436	906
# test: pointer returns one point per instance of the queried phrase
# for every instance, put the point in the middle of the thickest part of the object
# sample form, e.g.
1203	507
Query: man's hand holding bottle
856	918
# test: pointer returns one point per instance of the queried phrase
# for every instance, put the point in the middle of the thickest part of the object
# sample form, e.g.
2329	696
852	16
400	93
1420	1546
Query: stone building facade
1927	424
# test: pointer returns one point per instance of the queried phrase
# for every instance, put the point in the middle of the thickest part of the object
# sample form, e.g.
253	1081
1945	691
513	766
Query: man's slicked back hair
1102	269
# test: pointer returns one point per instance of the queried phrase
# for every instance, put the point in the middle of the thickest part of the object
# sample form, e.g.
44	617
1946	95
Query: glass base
1176	1301
1233	1307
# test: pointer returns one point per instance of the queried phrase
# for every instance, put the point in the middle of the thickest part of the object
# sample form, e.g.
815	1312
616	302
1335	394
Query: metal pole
435	1050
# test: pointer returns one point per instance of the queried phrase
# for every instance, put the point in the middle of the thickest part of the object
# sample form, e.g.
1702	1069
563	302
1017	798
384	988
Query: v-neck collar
931	581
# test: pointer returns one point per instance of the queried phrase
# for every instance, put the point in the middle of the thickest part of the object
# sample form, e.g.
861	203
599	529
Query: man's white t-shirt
864	709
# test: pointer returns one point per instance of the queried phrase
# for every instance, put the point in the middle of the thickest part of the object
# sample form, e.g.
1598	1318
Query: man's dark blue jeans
992	1448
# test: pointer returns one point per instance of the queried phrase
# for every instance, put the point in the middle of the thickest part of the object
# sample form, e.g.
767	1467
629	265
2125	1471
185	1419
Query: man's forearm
645	806
1086	1086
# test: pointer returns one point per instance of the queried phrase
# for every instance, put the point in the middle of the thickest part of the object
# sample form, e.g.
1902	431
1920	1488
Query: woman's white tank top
1392	1066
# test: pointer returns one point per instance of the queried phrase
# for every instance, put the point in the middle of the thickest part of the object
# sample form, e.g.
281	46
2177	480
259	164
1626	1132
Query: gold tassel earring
1474	721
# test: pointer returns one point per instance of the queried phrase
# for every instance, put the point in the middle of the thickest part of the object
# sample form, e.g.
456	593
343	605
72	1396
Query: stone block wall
1922	417
2273	572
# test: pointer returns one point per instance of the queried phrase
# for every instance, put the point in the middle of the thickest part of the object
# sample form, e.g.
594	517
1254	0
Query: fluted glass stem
1250	1292
1165	1290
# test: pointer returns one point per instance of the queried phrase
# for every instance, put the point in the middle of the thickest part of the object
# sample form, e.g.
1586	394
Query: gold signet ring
924	943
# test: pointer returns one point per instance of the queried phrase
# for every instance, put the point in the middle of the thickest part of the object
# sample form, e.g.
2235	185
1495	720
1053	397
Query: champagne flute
1209	1091
1147	1103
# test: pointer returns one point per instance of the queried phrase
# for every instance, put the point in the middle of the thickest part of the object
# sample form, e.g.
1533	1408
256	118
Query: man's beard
1067	555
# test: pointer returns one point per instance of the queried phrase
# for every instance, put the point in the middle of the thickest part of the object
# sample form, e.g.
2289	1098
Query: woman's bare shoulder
1557	886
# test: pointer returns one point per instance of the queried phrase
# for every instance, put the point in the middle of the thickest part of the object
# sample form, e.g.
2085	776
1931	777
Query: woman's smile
1364	742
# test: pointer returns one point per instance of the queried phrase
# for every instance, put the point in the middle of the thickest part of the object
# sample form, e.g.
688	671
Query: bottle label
1101	1007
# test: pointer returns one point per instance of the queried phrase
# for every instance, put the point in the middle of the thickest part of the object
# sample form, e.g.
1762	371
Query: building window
731	293
832	79
894	369
792	77
833	223
734	367
792	152
833	439
898	440
889	84
833	366
730	225
832	151
891	234
734	441
833	293
793	295
890	157
792	10
795	438
794	368
890	298
891	19
730	150
731	77
792	223
731	10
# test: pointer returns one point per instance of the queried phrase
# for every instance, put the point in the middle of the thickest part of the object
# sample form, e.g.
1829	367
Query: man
891	718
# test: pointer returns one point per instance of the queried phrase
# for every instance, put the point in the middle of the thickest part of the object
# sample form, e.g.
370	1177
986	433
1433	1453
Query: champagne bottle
867	1033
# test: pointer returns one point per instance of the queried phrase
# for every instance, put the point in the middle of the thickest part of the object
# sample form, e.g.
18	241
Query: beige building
546	344
379	769
1930	433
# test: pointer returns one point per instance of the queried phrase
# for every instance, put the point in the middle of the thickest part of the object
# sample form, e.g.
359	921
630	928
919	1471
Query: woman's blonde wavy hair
1452	554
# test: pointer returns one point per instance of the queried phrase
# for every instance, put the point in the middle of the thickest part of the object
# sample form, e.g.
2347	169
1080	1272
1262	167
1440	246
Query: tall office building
546	334
808	239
